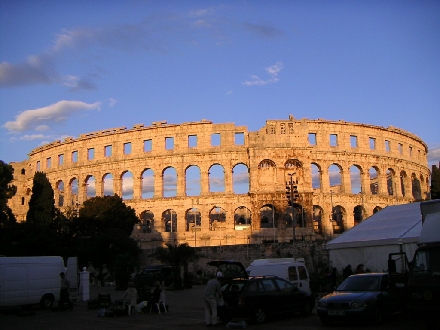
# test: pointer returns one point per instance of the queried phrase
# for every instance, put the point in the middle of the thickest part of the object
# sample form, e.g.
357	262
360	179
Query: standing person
347	271
212	289
64	293
155	297
359	269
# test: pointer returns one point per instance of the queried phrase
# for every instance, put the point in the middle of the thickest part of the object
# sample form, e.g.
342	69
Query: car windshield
360	283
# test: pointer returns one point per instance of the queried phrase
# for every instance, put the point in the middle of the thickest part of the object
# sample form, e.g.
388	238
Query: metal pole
273	220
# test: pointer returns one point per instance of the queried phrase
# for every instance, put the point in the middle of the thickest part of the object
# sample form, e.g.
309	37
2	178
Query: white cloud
30	137
434	154
112	102
272	71
33	119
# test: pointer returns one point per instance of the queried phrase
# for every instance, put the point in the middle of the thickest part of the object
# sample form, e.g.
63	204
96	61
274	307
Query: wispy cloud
30	137
33	119
112	102
266	30
272	71
434	154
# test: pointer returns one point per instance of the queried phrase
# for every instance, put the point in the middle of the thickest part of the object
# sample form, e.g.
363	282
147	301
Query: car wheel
47	301
307	309
259	315
377	316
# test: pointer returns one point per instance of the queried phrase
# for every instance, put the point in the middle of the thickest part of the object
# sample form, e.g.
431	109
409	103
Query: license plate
336	313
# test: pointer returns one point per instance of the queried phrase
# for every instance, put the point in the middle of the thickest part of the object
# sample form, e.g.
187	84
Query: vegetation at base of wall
6	192
42	204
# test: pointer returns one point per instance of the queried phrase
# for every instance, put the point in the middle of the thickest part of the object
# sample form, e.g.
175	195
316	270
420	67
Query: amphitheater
210	184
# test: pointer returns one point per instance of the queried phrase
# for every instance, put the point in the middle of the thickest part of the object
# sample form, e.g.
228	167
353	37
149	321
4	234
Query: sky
73	67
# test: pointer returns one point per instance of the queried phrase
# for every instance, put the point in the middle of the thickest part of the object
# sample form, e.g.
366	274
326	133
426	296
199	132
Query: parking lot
186	311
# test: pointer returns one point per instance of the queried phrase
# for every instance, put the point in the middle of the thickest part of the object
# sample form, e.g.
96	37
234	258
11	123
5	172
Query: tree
178	256
103	214
6	192
42	204
435	182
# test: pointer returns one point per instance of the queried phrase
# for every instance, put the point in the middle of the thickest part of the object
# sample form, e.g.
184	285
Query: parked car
255	298
360	298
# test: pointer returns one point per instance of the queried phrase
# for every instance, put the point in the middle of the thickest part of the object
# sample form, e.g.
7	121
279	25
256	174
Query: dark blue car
360	298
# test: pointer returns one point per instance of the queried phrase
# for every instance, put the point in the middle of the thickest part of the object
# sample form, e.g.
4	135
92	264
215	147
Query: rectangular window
333	140
215	139
22	201
90	153
283	128
169	143
107	151
38	165
400	148
353	141
74	156
312	139
148	145
127	148
290	128
48	162
372	143
410	151
387	146
239	139
192	141
61	159
272	129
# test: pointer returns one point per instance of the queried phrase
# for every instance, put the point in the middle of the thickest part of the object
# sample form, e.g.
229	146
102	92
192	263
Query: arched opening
374	181
91	186
267	216
169	182
127	185
193	219
148	184
355	179
316	176
317	219
107	181
217	219
358	214
240	179
147	221
338	217
169	219
192	181
242	218
216	178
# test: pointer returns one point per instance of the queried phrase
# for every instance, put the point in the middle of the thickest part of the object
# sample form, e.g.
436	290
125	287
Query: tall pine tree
6	191
42	203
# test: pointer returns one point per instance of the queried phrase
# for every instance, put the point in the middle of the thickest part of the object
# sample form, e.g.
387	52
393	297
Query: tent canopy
393	229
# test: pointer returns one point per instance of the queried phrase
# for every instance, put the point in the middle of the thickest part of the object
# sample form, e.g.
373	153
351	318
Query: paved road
186	312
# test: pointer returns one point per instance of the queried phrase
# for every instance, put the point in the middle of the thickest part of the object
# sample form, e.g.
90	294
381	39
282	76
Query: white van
293	270
26	281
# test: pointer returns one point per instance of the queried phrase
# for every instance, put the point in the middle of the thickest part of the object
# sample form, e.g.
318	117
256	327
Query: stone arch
169	220
217	219
147	177
315	169
192	181
299	216
335	177
147	221
107	185
317	219
416	187
169	182
374	180
293	164
267	170
74	191
338	219
240	178
193	219
23	171
391	184
288	216
268	217
90	183
355	178
216	175
242	218
403	182
59	193
376	209
127	185
358	214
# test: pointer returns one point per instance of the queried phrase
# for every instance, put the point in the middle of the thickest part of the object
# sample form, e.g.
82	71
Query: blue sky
72	67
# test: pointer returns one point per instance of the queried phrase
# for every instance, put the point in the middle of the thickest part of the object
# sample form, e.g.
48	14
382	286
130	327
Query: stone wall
152	168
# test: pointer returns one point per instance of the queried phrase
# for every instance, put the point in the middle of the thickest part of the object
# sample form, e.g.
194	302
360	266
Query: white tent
395	228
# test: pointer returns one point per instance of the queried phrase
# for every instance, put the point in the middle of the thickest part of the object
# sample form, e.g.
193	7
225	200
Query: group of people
348	271
131	295
98	276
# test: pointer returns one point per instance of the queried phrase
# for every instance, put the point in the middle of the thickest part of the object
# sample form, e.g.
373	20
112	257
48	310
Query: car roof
230	268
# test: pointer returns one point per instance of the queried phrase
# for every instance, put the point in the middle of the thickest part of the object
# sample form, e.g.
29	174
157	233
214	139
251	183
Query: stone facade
210	184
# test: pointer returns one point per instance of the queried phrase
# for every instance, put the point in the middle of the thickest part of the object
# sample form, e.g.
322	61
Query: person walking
64	293
213	291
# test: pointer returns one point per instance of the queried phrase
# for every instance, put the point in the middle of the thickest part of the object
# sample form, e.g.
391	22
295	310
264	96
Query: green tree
102	214
435	183
6	192
179	256
42	204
